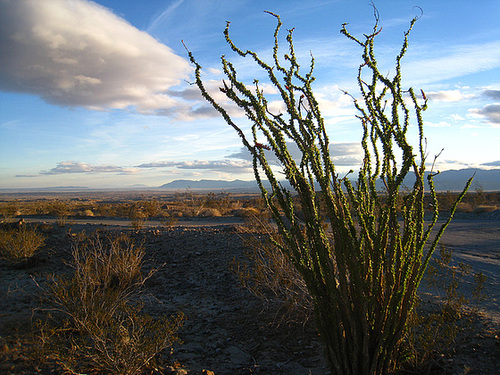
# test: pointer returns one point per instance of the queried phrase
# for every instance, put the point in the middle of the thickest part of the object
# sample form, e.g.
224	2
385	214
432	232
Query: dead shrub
484	209
209	212
434	326
464	207
269	275
246	212
95	319
17	244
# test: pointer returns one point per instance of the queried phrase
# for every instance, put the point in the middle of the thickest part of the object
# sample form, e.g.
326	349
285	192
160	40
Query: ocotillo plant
362	268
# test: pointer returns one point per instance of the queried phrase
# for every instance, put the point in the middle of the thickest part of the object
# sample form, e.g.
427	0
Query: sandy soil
229	331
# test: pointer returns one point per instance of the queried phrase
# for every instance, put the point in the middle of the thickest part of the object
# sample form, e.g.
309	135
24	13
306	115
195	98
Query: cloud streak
448	96
347	154
229	166
79	54
72	167
66	167
453	62
490	112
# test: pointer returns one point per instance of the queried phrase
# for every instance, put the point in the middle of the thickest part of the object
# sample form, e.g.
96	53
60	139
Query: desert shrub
269	274
106	209
209	212
364	277
95	319
170	220
246	212
137	215
219	201
9	210
484	209
61	210
20	243
464	207
151	208
435	326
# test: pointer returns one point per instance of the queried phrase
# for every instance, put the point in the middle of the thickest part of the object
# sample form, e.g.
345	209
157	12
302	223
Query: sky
99	93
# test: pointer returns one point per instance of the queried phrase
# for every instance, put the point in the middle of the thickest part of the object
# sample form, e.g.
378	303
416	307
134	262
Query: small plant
436	326
17	244
170	221
96	320
61	210
269	275
137	215
9	210
151	208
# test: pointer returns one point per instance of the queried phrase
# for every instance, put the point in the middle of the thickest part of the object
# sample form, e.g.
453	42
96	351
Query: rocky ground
227	330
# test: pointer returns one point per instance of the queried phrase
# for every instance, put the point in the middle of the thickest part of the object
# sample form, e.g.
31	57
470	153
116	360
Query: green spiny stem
364	271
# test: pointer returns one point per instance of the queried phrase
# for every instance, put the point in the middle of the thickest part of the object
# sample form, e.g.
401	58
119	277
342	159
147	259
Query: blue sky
96	94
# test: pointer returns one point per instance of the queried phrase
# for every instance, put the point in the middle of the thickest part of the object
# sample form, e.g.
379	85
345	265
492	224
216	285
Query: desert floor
227	329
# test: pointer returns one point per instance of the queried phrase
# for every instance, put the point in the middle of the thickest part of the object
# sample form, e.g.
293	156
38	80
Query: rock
237	356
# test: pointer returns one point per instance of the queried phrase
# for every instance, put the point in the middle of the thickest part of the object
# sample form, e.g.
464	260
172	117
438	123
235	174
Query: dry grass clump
434	327
269	274
484	209
247	212
9	210
95	320
209	212
19	242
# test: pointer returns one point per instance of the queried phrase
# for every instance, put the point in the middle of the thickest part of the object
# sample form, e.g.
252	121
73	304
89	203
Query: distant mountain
236	185
453	180
487	180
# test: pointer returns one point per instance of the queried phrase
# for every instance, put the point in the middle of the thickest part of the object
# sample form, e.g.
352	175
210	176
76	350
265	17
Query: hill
453	180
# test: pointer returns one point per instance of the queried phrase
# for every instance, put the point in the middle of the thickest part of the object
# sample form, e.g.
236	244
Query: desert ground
227	329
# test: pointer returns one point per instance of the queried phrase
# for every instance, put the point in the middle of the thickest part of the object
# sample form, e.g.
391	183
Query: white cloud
448	96
78	53
79	167
229	166
441	124
456	117
343	154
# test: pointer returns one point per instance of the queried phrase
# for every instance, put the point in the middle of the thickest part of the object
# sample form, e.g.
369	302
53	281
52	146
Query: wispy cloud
440	124
164	15
451	62
490	112
448	95
78	53
27	175
492	164
348	154
79	167
229	166
491	93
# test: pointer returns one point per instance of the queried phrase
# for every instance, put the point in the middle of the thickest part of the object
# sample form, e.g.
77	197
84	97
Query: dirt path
183	222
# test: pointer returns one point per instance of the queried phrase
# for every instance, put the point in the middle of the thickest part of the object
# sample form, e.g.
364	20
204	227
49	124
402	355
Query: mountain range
453	180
